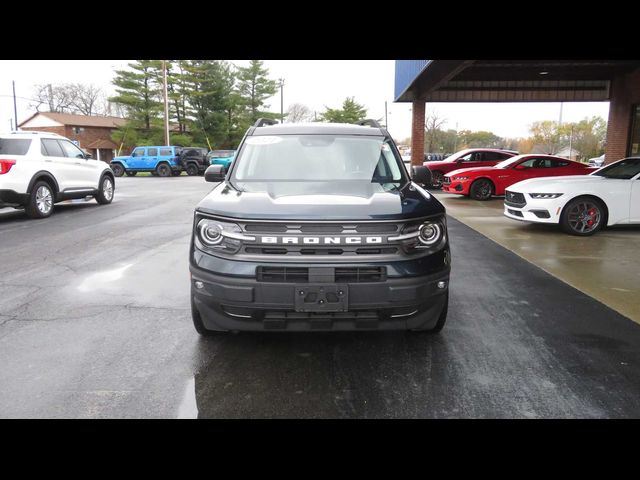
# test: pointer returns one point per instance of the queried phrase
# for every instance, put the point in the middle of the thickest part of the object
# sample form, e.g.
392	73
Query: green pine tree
351	112
255	88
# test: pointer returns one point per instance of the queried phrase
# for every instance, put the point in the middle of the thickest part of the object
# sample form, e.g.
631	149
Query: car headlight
545	196
461	178
430	233
214	235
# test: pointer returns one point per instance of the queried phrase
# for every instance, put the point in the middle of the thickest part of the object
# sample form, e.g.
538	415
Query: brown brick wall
417	133
58	130
625	93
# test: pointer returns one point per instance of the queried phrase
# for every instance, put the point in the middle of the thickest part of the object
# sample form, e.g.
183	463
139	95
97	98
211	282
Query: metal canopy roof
508	80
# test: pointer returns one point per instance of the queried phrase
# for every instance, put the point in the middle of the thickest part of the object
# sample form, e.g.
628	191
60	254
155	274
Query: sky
315	83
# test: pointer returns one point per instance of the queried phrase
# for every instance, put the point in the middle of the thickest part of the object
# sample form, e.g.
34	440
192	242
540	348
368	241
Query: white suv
38	169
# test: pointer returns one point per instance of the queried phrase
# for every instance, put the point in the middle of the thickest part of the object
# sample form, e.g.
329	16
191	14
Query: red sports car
481	183
471	157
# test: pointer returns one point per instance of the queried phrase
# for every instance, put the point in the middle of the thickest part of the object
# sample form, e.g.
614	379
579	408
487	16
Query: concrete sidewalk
605	266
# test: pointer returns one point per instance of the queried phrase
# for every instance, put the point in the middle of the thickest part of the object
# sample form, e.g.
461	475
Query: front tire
106	191
481	189
583	216
437	178
41	199
442	319
118	169
163	170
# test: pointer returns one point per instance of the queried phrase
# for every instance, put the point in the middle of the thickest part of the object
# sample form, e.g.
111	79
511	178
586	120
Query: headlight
461	178
218	236
545	196
430	233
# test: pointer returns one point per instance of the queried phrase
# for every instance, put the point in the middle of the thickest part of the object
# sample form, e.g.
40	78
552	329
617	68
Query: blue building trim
406	72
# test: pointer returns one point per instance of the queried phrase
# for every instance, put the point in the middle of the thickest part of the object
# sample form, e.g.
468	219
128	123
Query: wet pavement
95	323
605	265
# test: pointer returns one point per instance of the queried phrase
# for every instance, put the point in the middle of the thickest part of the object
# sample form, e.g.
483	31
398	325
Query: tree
351	112
548	137
298	112
56	98
140	91
432	131
255	88
480	139
86	99
587	136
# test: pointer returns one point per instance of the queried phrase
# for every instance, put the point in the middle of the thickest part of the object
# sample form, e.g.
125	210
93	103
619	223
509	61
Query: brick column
417	133
625	93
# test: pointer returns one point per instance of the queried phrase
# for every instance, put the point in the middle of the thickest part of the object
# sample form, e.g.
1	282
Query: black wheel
41	199
442	319
106	190
436	179
481	189
192	169
199	325
118	169
583	216
163	170
131	174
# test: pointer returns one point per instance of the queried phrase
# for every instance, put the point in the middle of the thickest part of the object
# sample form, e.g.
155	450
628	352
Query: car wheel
106	190
583	216
41	199
436	179
118	170
442	319
131	174
192	169
199	325
481	189
163	170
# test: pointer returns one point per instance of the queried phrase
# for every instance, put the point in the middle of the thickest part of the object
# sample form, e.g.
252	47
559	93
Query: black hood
310	201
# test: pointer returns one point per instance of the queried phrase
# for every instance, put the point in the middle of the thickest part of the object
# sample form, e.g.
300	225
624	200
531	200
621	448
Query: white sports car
581	204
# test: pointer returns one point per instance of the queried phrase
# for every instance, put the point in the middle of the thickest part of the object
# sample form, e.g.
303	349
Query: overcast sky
315	83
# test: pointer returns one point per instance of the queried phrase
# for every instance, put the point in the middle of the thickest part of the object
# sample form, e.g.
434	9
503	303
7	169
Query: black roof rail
261	122
369	122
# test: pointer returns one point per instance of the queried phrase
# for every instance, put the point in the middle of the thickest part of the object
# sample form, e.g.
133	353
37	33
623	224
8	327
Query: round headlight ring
430	233
211	233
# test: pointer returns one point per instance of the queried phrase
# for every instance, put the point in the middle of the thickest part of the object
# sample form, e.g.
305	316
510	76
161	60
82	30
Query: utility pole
50	98
455	148
570	142
166	105
560	119
15	109
386	121
281	100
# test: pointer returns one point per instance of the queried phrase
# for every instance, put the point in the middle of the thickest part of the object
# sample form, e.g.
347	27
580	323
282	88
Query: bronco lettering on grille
320	240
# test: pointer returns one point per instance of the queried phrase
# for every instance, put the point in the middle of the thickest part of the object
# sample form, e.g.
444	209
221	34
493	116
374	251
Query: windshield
624	169
509	162
318	159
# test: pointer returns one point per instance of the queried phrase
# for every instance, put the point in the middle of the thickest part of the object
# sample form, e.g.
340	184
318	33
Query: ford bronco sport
318	227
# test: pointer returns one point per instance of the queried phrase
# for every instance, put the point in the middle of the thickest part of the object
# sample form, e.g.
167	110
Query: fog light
199	285
442	285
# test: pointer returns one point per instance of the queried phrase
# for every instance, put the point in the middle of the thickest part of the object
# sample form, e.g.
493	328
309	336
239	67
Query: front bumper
456	186
536	210
241	303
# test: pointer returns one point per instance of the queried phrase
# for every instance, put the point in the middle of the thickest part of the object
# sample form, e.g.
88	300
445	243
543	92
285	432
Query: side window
165	152
558	163
52	148
495	156
469	157
528	163
138	152
70	150
153	152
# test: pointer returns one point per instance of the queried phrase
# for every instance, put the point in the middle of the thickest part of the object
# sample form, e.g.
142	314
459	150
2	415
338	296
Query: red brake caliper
592	213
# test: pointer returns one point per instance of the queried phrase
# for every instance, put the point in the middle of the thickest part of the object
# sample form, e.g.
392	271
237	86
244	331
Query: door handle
48	161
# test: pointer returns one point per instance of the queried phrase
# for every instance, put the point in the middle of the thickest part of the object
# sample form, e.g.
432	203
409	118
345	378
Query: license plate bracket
321	298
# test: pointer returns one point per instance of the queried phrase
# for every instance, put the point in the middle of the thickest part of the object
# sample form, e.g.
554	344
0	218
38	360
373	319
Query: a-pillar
417	133
625	93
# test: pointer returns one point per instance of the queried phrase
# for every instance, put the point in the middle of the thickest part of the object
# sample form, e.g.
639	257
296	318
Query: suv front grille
301	274
514	199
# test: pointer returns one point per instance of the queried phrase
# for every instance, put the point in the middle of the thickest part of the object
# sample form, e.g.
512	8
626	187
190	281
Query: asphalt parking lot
95	323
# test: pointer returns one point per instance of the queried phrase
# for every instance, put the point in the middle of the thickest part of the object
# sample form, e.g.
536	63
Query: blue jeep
160	161
221	157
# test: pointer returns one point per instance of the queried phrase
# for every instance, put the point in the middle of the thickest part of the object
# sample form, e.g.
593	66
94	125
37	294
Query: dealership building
616	81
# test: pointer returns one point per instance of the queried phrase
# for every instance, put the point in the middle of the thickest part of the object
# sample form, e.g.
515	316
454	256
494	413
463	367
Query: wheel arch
593	197
46	176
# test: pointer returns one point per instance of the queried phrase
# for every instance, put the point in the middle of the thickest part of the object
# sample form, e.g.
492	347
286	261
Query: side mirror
459	160
421	175
519	167
214	173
